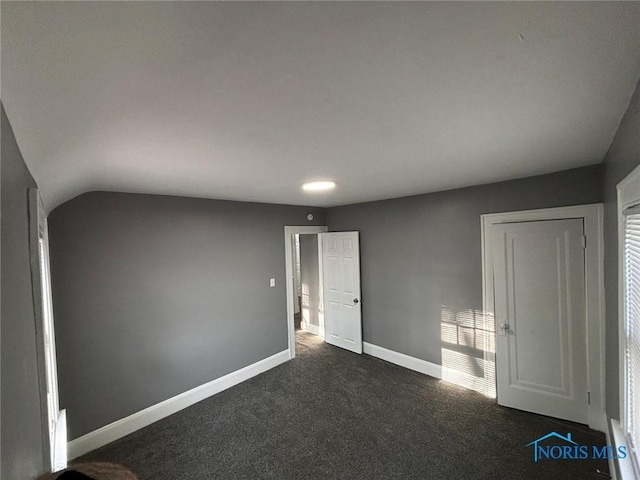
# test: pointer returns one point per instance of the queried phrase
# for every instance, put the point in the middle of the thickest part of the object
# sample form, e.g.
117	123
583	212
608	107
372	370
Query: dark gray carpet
337	415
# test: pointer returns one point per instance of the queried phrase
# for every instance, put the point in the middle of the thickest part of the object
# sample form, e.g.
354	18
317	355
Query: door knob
355	300
504	328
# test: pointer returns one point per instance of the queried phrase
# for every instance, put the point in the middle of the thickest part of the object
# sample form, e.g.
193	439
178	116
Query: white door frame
628	195
54	420
289	273
592	216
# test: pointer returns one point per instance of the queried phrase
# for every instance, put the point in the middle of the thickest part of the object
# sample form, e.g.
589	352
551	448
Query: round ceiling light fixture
318	186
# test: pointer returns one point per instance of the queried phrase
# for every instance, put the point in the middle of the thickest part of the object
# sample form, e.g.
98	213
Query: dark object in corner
92	471
73	475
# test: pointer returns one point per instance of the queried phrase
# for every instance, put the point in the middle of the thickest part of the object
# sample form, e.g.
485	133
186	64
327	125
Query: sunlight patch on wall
468	349
306	304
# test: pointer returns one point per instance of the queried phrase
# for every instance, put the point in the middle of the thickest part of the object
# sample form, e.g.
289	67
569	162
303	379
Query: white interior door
341	289
540	311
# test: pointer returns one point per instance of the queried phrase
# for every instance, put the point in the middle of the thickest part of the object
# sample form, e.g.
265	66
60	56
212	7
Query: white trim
594	278
628	194
628	187
446	374
143	418
406	361
616	438
612	466
53	449
60	443
611	442
289	273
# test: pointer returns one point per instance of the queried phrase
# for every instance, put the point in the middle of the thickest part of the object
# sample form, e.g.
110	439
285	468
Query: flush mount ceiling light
318	186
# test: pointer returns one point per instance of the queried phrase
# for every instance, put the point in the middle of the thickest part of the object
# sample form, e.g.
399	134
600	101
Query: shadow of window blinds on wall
468	349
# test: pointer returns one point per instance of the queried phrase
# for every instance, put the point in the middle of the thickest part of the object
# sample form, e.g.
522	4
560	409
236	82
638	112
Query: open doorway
307	301
328	298
304	281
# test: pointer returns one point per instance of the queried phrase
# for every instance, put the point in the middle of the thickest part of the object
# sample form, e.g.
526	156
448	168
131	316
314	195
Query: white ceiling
245	101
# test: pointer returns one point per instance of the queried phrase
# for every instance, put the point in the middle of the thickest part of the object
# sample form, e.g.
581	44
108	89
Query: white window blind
632	326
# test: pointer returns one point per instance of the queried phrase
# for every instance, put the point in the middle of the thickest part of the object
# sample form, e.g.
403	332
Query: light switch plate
272	282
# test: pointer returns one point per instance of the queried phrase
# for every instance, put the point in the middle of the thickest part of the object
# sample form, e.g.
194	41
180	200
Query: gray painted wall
156	295
421	255
309	277
21	431
622	158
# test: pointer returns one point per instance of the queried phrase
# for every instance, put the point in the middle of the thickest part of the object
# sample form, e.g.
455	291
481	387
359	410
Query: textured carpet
333	414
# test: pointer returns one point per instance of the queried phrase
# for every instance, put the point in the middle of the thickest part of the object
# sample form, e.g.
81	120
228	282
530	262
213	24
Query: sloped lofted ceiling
245	101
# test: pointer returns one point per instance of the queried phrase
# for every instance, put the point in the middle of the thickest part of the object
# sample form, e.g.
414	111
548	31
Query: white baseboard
457	377
412	363
143	418
616	438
